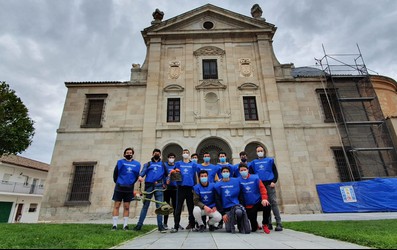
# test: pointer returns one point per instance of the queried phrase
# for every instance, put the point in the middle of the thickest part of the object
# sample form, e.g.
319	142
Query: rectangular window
93	111
81	185
6	178
330	107
250	110
343	168
210	69
173	110
32	207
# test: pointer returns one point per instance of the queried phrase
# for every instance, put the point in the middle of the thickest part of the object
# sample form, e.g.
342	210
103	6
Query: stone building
210	82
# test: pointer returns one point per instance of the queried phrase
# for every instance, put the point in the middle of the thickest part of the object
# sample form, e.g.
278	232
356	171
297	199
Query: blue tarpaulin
377	195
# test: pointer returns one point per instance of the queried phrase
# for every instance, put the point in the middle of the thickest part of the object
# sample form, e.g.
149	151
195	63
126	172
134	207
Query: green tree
16	128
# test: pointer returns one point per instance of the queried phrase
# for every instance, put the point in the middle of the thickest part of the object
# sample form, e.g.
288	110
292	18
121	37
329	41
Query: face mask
244	173
226	175
203	179
128	157
185	156
194	160
243	160
260	154
222	159
207	159
156	157
171	160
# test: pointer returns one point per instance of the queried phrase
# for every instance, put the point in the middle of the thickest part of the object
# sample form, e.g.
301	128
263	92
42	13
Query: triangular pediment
222	20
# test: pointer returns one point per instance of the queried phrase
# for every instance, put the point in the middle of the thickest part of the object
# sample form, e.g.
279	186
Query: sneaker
165	226
181	228
279	227
270	226
125	228
189	227
220	225
202	228
137	228
265	229
211	228
174	230
114	228
162	230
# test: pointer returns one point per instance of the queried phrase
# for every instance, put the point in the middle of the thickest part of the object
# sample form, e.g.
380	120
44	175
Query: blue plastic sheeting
377	195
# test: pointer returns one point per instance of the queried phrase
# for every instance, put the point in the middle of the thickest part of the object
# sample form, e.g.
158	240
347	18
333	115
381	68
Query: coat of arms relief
175	70
245	67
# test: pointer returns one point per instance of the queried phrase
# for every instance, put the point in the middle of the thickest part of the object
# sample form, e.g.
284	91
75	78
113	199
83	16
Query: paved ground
286	239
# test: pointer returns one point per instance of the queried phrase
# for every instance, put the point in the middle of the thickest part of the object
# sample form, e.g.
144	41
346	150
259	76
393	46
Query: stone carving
136	65
245	67
209	51
175	69
256	12
157	16
211	84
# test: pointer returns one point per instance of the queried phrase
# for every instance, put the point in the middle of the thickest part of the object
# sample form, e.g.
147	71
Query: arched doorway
172	148
213	146
250	149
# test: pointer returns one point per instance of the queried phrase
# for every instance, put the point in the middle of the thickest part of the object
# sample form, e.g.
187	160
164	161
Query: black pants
170	198
184	193
252	214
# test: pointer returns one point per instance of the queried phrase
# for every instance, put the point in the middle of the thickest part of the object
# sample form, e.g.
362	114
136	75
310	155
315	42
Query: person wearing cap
254	198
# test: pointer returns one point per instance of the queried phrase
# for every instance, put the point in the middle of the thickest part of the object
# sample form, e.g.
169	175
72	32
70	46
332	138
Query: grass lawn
66	236
374	233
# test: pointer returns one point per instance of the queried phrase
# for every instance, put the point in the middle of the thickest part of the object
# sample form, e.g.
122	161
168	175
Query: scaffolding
366	141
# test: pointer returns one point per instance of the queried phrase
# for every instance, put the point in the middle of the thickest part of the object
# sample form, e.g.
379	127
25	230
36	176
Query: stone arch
250	148
214	145
174	148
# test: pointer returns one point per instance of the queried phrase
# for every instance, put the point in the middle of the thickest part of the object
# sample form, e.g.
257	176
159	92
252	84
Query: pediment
248	86
173	88
211	84
222	19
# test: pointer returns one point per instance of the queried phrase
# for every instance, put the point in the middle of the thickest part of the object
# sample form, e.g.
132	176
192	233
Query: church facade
210	82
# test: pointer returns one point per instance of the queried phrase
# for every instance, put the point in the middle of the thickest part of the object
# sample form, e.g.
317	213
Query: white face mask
260	154
171	160
185	156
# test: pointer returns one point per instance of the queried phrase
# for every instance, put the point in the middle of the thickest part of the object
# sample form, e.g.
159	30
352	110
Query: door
18	215
5	210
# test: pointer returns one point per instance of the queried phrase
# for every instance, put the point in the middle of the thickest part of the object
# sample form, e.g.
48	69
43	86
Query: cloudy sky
45	43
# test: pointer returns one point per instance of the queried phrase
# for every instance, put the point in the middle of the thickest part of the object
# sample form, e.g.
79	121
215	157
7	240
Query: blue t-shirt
250	189
188	172
169	168
128	172
211	169
207	195
237	171
229	192
154	171
230	166
263	168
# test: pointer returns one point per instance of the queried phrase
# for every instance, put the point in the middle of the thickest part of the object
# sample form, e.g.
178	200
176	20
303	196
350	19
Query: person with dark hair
125	175
210	168
243	159
155	174
227	198
188	170
204	202
266	169
170	192
222	157
194	158
254	198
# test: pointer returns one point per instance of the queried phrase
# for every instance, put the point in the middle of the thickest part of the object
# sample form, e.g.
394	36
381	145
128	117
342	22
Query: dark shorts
123	196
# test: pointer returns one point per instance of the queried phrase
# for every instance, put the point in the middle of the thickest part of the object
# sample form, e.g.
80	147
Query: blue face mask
226	175
222	159
203	179
194	160
244	173
207	159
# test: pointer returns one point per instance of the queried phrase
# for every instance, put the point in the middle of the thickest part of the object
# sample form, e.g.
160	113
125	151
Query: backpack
244	225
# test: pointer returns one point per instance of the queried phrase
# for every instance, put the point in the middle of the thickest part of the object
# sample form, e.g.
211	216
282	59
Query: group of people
226	194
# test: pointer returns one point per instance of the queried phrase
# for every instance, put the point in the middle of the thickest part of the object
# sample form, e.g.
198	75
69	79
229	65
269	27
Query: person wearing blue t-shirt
188	170
125	175
155	174
170	192
227	195
210	168
222	157
243	159
254	198
204	202
266	169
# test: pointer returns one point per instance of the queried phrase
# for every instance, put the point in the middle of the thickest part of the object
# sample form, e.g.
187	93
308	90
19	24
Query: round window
208	25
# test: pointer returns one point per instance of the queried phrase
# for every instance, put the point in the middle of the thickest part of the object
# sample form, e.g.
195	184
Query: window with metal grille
93	111
343	168
328	108
173	110
250	110
210	69
81	185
